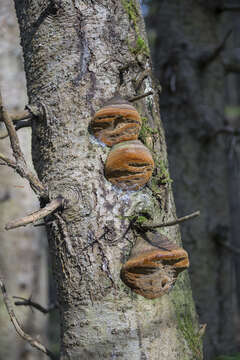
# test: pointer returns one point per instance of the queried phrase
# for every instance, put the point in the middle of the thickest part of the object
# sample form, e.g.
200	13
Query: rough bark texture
192	104
23	253
77	55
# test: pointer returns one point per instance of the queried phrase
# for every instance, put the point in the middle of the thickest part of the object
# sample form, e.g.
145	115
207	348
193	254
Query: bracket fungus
129	165
116	121
152	271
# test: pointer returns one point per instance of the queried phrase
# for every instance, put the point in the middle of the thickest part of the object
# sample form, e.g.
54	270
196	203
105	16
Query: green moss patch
163	175
185	314
146	132
132	11
140	46
187	328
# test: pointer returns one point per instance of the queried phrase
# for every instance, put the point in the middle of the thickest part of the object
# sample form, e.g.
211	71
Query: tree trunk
192	105
78	55
23	254
233	157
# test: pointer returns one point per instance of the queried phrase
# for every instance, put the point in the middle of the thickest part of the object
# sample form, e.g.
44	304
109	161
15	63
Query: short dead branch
171	223
33	304
37	215
135	98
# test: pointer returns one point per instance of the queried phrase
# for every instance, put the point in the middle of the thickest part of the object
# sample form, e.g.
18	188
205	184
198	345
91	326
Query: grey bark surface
192	105
23	253
77	55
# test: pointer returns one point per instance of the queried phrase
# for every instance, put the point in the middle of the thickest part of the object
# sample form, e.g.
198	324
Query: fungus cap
152	273
115	122
129	165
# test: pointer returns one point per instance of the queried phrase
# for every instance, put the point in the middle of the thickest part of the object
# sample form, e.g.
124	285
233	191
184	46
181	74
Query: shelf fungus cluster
129	165
154	265
151	271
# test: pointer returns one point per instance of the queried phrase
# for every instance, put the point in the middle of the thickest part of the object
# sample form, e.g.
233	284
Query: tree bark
23	254
78	55
192	105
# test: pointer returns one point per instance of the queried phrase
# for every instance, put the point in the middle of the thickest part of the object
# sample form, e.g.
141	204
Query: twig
37	215
135	98
19	125
17	153
173	222
21	165
29	302
33	342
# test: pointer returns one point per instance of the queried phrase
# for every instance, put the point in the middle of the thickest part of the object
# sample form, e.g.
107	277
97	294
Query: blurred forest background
195	47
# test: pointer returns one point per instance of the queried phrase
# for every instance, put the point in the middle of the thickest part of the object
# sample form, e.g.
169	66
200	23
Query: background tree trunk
77	55
232	118
192	104
23	253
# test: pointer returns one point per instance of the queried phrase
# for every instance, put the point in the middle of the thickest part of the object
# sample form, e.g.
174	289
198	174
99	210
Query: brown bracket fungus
116	121
129	165
152	271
